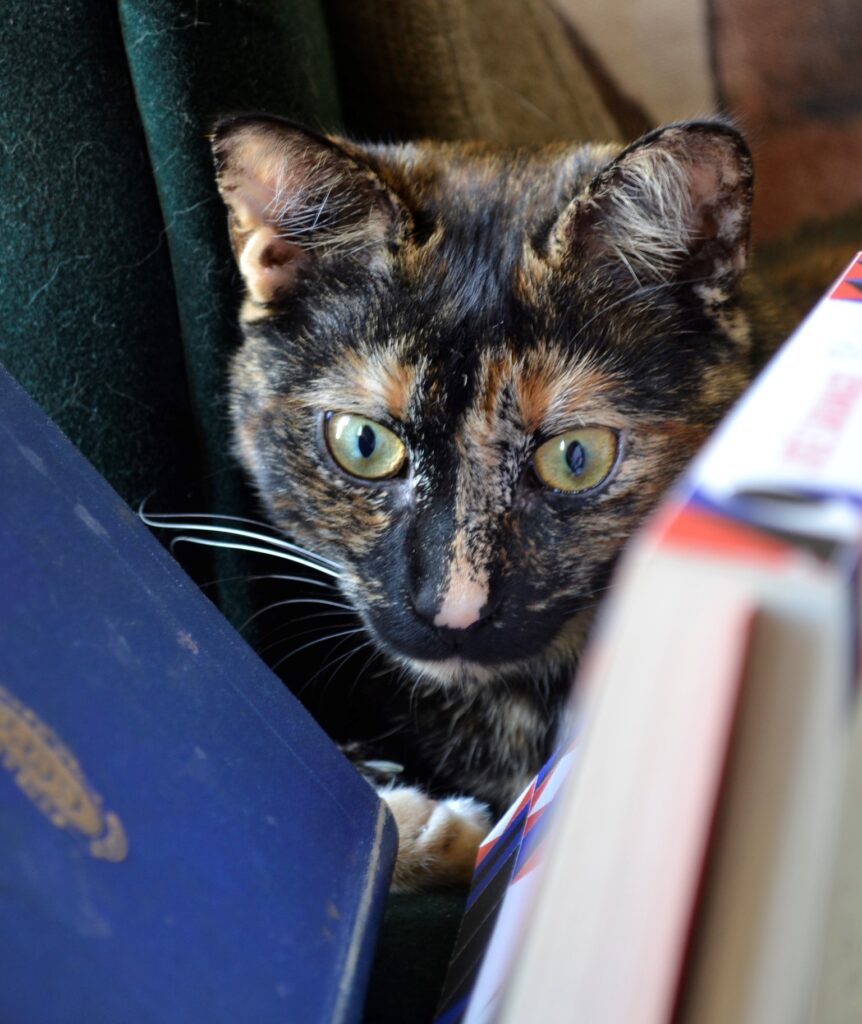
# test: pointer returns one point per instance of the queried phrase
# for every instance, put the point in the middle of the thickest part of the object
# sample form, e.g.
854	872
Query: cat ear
675	206
295	197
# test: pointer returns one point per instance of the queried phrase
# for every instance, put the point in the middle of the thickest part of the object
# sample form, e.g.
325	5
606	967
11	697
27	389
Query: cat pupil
367	441
576	457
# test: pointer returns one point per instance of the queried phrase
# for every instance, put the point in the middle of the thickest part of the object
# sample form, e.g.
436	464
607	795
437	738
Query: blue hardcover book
179	841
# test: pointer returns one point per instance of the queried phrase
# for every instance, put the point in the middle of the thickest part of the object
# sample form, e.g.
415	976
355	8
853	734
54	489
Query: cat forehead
476	205
540	390
457	179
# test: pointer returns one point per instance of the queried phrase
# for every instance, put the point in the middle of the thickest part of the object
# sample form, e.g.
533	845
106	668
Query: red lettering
817	435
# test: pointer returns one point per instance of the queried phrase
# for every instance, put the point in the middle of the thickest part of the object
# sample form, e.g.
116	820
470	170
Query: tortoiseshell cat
468	373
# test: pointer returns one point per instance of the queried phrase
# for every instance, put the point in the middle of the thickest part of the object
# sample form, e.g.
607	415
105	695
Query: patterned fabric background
789	73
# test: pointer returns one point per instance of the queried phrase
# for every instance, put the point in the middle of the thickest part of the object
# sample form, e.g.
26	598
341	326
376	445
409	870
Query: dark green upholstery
416	937
89	317
191	62
118	291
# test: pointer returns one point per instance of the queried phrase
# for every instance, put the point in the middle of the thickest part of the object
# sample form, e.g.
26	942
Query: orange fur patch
375	383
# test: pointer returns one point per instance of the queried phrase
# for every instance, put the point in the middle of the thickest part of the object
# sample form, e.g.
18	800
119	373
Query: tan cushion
496	69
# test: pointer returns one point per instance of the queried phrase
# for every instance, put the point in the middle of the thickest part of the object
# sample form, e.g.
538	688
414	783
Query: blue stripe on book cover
504	849
180	841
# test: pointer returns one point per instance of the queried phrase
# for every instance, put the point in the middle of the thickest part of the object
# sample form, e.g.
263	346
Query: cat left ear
673	207
295	197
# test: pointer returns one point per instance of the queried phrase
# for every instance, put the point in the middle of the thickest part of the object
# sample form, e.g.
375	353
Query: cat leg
437	839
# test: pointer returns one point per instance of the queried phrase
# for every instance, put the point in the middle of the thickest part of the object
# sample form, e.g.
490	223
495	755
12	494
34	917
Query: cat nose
463	605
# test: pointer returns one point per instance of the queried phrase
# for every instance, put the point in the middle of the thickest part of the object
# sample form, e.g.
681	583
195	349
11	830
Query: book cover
501	893
180	841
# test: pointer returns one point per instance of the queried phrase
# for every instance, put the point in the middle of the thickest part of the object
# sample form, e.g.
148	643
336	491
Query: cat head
469	371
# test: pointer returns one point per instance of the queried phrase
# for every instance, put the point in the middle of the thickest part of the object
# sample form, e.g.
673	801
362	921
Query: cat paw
437	839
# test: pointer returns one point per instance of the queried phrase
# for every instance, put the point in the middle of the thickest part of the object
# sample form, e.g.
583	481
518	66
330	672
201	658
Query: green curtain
87	302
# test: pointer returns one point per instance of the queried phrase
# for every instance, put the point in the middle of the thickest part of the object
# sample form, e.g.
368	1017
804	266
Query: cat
468	373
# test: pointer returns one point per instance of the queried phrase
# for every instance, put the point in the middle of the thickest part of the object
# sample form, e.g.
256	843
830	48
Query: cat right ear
295	197
674	206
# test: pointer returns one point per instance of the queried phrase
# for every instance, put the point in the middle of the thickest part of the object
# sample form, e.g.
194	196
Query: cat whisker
358	675
319	640
293	636
292	601
570	603
334	666
166	522
287	626
269	576
365	664
375	654
415	685
208	515
581	604
388	733
386	670
233	546
582	608
325	615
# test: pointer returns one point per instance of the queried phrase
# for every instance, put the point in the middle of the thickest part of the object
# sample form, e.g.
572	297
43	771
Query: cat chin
551	668
452	672
457	674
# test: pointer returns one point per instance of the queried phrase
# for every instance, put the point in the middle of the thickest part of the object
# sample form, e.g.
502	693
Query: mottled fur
479	300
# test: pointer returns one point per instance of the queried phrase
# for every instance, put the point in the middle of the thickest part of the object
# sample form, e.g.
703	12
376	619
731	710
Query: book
839	990
689	869
501	894
180	840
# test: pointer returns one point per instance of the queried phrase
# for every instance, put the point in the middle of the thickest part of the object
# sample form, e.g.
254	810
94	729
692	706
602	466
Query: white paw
437	839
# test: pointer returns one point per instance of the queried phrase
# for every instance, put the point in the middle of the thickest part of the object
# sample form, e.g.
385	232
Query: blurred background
789	73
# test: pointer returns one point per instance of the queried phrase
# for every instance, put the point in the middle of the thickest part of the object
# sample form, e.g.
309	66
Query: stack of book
699	866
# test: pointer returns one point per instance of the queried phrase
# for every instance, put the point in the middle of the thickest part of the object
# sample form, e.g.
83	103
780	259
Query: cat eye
578	461
362	447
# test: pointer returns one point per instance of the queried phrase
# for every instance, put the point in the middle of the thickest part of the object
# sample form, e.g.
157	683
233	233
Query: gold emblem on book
47	772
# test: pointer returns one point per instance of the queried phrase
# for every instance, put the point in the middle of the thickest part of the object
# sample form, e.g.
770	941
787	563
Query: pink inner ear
713	179
279	263
704	181
277	252
718	207
269	263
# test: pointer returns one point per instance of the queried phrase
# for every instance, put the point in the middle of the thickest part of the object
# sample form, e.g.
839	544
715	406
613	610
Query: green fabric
191	62
89	322
416	938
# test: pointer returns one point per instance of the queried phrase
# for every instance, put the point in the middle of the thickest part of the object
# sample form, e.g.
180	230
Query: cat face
470	371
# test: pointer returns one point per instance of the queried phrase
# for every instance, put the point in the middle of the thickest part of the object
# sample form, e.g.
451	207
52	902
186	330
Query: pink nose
462	605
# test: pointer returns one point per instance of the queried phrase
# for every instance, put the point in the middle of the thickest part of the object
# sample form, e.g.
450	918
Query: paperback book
688	871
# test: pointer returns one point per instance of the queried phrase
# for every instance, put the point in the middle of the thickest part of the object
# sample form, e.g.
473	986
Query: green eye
578	460
364	448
